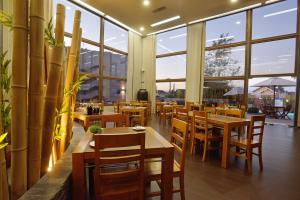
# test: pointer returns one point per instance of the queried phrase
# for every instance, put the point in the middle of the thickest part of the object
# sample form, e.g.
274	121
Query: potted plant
95	129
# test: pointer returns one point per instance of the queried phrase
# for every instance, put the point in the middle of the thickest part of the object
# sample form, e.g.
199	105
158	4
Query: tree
220	62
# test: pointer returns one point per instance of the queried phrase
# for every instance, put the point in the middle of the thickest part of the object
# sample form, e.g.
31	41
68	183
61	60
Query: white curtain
148	72
195	62
134	78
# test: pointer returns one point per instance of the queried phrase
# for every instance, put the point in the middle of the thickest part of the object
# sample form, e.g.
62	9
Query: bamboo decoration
36	87
56	60
19	99
73	99
4	195
69	80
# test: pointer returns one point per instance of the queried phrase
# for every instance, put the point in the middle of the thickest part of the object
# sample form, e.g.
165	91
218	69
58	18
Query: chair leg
181	182
260	158
192	151
249	160
204	151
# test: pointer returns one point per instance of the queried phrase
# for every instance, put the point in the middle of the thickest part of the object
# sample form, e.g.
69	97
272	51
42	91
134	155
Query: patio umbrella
274	82
235	91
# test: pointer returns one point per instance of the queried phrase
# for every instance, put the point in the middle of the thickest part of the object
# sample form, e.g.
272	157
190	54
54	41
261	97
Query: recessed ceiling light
165	21
142	29
146	2
233	1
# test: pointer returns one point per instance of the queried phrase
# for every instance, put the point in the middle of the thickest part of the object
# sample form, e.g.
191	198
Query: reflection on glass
171	41
231	28
276	19
171	67
113	90
90	23
273	57
115	64
225	62
89	91
89	58
115	36
171	91
229	92
274	96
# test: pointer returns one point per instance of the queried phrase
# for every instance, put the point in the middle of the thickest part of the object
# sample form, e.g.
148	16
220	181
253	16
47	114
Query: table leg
78	177
226	146
167	175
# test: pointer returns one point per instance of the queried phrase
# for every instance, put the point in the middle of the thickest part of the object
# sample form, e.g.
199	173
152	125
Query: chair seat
153	170
242	142
211	136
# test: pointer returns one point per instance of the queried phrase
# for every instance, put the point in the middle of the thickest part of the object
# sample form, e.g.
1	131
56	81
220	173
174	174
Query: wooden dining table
88	119
131	108
227	124
155	147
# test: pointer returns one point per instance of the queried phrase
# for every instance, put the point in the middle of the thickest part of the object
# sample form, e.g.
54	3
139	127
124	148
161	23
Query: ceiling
135	15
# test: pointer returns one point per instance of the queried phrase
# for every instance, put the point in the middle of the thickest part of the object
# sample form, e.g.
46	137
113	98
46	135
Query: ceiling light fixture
146	2
271	1
233	1
142	29
280	12
167	29
165	21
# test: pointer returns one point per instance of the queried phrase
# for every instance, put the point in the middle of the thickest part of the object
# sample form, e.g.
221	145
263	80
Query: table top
80	115
132	107
153	140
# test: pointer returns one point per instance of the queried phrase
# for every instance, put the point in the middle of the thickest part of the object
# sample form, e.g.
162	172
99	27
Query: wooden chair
179	141
253	140
189	105
234	113
166	112
119	173
211	110
220	111
203	132
118	120
182	114
136	116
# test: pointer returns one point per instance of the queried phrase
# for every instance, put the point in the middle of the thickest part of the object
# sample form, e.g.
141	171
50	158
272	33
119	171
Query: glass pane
275	19
90	23
230	92
115	64
226	30
115	37
225	62
171	41
89	58
171	67
113	90
171	91
261	98
89	91
273	57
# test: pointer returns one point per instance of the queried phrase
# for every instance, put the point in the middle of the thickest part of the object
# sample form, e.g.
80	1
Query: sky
273	57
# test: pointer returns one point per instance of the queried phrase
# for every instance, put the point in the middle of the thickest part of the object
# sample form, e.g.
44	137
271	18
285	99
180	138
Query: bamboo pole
19	99
73	99
36	87
56	60
69	79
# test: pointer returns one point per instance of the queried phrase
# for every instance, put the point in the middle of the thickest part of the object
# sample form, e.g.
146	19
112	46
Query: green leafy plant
49	35
6	19
95	128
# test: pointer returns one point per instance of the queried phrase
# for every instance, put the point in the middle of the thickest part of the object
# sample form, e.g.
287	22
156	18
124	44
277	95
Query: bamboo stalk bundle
69	80
73	99
4	194
19	99
56	60
36	90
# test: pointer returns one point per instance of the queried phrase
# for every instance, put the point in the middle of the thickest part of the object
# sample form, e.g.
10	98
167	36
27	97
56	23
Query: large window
106	71
171	65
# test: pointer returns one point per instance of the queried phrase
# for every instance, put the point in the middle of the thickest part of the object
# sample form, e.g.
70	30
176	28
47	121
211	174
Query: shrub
95	128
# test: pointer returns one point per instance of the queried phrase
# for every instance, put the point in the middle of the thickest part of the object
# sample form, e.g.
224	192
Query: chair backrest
257	128
167	109
220	111
119	164
199	122
234	113
188	105
211	110
134	112
118	120
179	140
182	114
